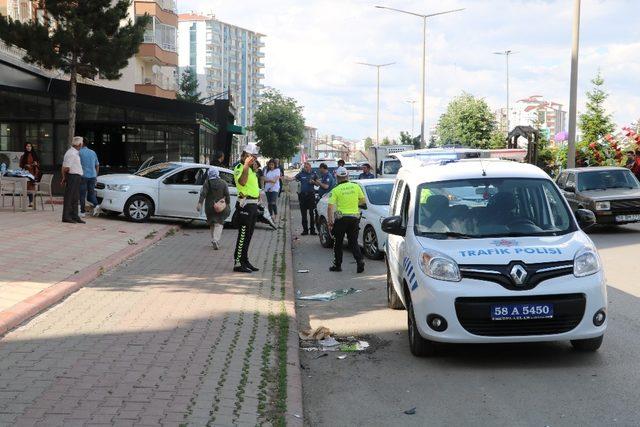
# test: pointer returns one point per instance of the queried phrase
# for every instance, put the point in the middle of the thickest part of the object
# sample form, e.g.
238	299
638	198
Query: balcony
159	44
153	86
260	55
259	64
159	10
260	75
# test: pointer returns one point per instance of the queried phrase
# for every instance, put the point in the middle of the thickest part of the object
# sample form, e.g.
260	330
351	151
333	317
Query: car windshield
604	179
156	171
379	194
491	207
391	167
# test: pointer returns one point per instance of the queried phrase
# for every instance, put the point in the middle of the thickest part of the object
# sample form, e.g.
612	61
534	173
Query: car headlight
603	206
586	263
440	267
117	187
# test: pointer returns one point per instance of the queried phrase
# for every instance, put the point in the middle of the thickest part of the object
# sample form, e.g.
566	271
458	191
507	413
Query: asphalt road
543	384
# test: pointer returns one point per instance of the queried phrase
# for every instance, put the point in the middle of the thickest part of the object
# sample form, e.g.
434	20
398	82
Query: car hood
612	194
501	251
123	178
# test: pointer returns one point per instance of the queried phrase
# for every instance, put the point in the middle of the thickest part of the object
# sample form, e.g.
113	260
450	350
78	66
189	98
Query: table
21	189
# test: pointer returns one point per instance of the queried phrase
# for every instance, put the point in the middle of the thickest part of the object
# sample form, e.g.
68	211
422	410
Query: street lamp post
573	90
424	60
378	66
506	54
413	115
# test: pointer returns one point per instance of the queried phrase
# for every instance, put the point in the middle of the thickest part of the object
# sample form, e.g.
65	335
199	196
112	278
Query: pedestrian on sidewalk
307	198
247	207
30	162
213	192
71	177
280	167
344	218
272	187
90	169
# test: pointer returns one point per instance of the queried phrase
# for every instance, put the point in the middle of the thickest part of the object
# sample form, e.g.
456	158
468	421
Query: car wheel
419	346
370	244
393	300
109	213
589	344
138	208
323	233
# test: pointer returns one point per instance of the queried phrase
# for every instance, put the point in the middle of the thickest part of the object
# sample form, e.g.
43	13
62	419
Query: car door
363	217
394	242
178	194
233	191
571	196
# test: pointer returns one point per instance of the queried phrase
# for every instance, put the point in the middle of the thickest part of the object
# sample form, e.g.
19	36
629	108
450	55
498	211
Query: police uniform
345	198
307	200
247	209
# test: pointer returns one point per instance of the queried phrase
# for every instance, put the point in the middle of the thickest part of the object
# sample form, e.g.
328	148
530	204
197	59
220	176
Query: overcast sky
312	47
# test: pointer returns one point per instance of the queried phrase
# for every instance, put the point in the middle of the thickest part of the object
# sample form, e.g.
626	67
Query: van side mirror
586	218
393	225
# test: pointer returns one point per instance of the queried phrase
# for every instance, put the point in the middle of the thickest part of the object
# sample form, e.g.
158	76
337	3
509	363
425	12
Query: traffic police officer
247	207
344	202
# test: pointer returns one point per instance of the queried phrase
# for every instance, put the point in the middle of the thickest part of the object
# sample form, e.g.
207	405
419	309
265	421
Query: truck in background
381	160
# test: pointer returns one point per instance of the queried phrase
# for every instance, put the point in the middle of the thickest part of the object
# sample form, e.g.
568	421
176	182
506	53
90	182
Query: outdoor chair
8	188
43	188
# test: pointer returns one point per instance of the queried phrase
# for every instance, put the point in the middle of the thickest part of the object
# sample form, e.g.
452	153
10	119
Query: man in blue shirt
366	172
325	183
307	198
90	168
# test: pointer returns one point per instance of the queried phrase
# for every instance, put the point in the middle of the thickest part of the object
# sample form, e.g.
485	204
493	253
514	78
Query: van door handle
193	192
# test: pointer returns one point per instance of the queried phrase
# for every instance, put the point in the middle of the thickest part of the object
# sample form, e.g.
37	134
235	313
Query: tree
595	123
189	87
467	121
497	140
405	138
368	143
386	141
86	38
278	124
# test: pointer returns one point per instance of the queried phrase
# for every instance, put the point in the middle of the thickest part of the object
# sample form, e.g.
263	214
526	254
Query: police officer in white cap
247	207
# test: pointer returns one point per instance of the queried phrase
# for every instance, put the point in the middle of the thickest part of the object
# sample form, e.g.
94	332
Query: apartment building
228	61
533	110
19	10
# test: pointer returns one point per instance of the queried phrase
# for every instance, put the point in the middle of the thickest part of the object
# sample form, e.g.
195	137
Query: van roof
464	169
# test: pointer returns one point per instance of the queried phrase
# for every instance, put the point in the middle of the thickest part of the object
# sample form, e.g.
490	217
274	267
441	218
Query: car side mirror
570	189
393	225
586	218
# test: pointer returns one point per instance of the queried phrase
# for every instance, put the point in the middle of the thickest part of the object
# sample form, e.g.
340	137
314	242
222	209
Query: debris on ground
344	356
354	346
303	271
319	333
411	411
321	355
330	295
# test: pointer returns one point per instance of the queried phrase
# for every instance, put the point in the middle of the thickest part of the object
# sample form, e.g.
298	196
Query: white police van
488	251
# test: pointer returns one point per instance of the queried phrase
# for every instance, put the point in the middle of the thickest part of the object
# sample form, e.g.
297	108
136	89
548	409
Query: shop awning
238	130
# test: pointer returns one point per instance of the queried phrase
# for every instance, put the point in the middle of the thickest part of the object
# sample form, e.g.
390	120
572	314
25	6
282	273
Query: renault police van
488	251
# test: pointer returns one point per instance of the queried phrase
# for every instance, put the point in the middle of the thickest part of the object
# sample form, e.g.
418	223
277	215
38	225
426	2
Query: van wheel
393	300
323	233
590	344
370	244
419	346
138	208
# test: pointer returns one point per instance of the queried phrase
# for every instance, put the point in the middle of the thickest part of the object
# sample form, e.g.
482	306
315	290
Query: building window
193	53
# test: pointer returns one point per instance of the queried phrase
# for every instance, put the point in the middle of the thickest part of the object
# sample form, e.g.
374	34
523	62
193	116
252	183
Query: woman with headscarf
213	191
30	162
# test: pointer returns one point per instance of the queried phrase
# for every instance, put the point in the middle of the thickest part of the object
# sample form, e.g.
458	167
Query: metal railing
163	82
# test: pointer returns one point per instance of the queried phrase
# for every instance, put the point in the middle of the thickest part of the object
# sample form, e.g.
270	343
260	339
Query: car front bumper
466	307
112	200
611	218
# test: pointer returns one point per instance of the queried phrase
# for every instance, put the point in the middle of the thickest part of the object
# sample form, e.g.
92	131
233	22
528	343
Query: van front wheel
590	344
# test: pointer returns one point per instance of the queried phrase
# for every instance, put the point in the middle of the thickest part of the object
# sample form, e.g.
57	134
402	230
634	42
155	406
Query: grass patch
170	232
151	235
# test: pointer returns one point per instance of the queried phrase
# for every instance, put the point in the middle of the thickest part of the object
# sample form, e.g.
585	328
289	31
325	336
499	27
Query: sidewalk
42	257
171	337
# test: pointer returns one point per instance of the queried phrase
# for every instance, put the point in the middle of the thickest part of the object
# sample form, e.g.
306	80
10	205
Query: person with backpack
214	194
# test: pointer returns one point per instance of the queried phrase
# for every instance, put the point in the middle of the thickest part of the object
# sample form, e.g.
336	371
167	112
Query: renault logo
518	274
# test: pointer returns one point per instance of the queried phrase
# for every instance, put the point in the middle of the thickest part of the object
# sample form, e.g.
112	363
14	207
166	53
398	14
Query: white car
169	189
489	251
377	192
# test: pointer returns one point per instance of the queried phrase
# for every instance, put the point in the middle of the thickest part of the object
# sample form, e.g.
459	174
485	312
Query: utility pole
506	54
413	116
424	61
573	91
378	66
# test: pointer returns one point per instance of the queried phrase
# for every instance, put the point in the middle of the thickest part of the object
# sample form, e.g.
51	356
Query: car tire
109	213
370	248
138	208
419	346
588	345
393	300
326	241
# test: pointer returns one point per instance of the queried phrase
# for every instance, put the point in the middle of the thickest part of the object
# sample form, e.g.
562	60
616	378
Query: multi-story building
536	111
19	10
227	59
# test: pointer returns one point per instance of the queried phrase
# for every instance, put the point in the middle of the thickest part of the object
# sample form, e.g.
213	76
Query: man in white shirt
71	178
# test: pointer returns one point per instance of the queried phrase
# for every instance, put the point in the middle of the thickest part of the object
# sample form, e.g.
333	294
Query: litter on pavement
330	295
315	334
303	271
342	357
411	411
321	339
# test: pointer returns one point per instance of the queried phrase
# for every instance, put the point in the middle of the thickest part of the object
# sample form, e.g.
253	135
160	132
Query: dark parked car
612	193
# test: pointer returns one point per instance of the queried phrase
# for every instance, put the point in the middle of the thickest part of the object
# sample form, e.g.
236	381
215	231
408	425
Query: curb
35	304
295	414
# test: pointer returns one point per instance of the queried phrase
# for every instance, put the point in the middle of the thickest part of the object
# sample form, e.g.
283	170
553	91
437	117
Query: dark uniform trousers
307	207
348	225
71	197
246	224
